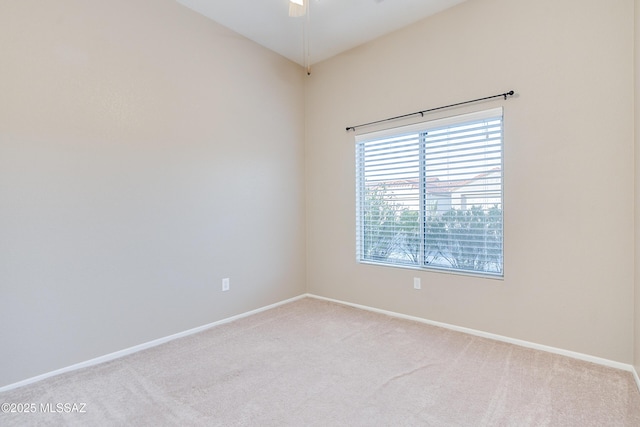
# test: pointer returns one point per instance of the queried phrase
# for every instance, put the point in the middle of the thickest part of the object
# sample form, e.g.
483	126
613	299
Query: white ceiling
335	25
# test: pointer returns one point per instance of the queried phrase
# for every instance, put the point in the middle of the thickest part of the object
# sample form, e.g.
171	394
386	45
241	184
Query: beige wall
569	265
145	154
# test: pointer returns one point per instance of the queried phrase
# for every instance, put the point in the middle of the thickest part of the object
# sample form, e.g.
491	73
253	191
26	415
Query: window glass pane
390	200
432	198
463	184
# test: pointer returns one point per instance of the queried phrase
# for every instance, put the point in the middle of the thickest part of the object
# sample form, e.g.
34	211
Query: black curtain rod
510	93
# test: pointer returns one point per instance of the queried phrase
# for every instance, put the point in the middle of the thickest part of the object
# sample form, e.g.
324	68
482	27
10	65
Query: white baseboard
140	347
144	346
635	376
521	343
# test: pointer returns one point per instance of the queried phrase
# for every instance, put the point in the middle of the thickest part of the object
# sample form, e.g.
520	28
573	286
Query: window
429	195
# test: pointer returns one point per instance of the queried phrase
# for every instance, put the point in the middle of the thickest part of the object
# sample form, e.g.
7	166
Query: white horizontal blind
430	195
389	199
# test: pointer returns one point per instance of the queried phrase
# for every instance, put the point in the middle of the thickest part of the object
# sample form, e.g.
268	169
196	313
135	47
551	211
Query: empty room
323	212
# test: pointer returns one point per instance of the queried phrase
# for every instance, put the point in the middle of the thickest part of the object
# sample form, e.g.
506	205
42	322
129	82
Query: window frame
422	128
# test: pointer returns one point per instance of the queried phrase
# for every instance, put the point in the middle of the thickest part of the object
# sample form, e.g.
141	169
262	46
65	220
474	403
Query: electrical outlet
225	284
416	283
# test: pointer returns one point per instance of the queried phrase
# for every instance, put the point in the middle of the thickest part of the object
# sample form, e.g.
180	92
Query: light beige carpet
315	363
